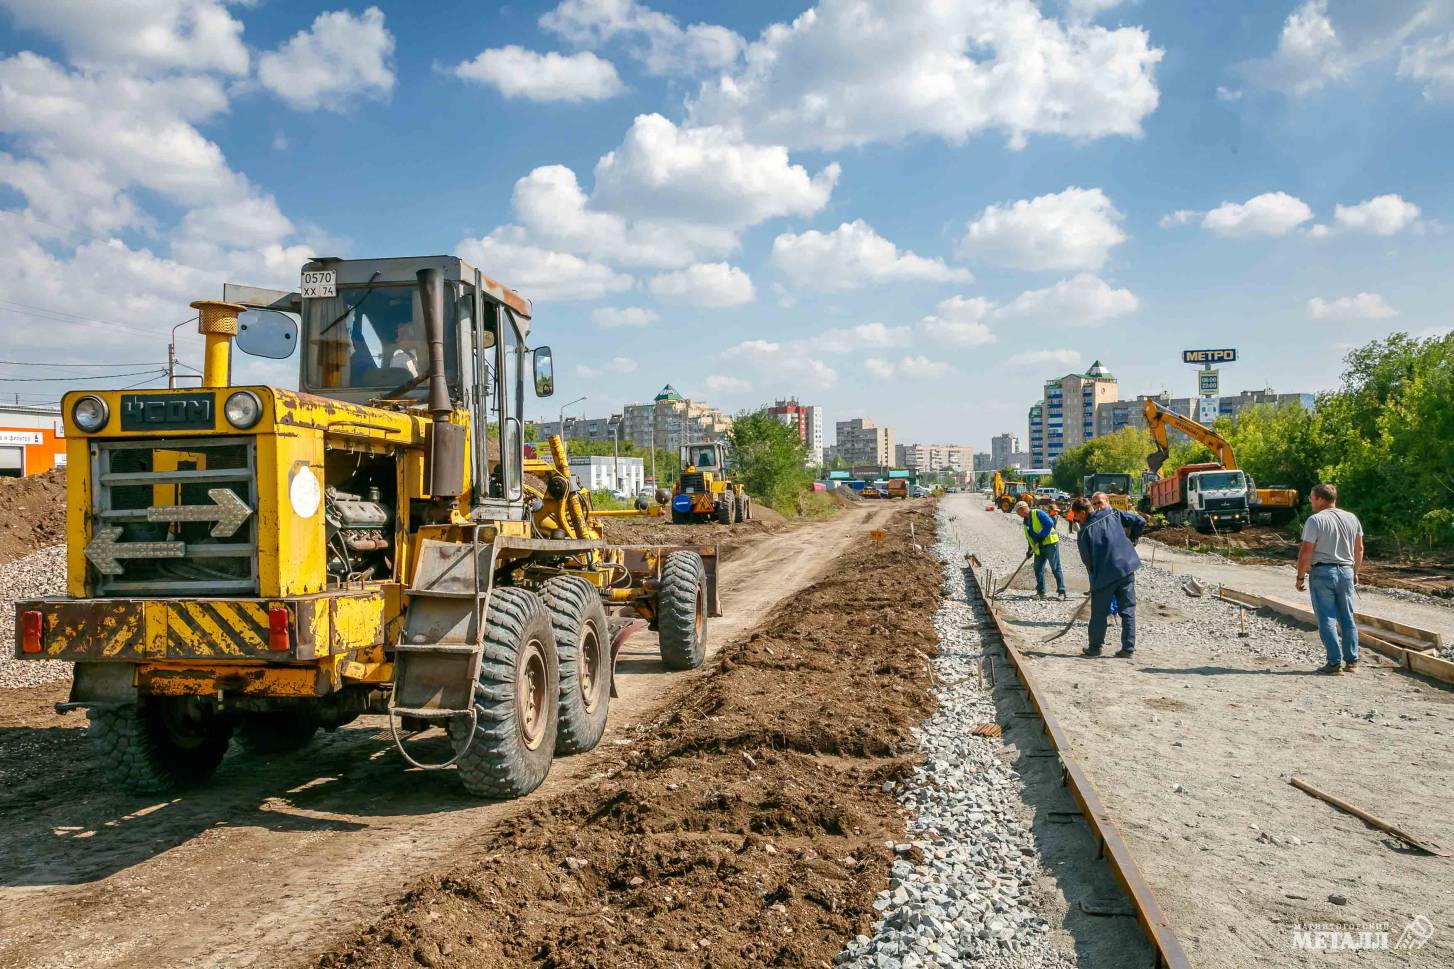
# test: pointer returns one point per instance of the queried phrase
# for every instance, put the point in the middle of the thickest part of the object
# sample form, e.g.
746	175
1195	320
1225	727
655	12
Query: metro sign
1209	356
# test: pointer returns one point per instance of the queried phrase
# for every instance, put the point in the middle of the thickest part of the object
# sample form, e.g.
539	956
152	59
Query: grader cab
260	563
705	491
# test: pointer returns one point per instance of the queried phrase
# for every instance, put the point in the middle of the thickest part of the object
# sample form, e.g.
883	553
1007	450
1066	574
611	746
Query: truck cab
1207	497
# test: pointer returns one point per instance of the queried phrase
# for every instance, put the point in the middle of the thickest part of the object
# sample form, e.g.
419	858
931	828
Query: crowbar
1073	617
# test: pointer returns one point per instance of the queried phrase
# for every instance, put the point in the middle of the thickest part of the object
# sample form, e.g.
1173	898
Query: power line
103	376
35	363
60	316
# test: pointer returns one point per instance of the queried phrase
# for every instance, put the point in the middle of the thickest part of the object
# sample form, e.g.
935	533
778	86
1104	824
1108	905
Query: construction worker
1044	545
1330	555
1107	550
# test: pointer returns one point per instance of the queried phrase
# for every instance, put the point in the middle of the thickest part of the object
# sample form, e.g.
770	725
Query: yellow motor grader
704	491
257	563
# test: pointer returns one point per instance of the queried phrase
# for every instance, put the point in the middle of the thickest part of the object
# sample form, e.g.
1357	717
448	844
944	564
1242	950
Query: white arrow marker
227	510
105	552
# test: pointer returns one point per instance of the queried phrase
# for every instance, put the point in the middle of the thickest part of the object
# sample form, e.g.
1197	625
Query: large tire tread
498	763
573	604
681	594
135	751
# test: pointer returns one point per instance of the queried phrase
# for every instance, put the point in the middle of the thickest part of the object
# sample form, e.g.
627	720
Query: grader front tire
151	747
744	508
682	611
517	700
724	510
583	648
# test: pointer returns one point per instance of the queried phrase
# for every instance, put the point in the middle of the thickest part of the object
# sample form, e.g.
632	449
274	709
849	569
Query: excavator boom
1158	418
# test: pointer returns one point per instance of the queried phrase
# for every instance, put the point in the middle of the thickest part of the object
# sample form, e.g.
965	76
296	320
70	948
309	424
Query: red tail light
278	638
31	625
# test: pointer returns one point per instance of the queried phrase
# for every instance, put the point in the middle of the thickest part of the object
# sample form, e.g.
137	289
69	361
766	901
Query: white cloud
909	368
540	274
1363	306
1431	61
1269	214
280	141
771	360
866	336
1383	215
1179	217
340	58
852	256
709	174
1082	300
667	197
843	74
616	365
1229	94
723	384
141	34
714	284
655	39
958	322
1045	358
1089	9
519	73
1070	230
1309	53
610	317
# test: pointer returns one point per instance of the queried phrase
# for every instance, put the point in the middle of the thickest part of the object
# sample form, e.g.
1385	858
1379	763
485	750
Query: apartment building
861	441
1065	417
808	420
672	420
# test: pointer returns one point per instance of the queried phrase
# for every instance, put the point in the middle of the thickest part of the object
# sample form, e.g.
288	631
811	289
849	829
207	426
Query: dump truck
897	488
705	491
258	563
1207	497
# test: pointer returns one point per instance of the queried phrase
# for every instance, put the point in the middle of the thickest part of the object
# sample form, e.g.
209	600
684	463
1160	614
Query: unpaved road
1239	859
278	857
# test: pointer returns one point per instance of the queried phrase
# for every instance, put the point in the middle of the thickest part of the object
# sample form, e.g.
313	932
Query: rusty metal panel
355	622
217	629
109	629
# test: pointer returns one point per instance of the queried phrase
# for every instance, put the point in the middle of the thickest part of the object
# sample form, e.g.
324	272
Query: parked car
919	491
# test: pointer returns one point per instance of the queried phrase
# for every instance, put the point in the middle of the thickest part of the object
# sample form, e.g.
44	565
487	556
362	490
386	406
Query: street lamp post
560	428
616	453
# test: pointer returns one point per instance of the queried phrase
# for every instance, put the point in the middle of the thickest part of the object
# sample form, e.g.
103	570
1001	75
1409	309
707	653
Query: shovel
1012	577
1073	617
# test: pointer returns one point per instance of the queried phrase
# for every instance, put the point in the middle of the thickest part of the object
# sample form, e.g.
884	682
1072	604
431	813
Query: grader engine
259	563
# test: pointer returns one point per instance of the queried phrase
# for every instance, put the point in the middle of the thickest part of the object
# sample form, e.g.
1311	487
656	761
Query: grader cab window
372	338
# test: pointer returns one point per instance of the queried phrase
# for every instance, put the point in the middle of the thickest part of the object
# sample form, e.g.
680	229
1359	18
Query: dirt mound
729	539
748	829
32	513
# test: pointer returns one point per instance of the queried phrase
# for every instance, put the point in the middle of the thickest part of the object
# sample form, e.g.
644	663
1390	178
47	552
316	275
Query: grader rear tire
723	510
517	700
275	733
153	747
583	649
744	508
681	610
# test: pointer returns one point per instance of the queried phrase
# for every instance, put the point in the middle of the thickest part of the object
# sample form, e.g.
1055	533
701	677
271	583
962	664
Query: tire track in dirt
278	854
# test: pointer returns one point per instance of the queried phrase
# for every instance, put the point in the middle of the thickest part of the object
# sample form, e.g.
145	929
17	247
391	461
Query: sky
911	211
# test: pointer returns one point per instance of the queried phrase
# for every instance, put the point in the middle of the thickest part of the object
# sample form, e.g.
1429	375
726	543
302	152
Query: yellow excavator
1006	493
1275	505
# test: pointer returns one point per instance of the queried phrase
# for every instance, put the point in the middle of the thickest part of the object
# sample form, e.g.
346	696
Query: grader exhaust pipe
444	463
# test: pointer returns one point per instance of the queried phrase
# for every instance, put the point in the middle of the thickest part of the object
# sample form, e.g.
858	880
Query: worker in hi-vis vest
1044	545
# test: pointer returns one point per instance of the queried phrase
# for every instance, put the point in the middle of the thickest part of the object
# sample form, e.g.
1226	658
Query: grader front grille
174	516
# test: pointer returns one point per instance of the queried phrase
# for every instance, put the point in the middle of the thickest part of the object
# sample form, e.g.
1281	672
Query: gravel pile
961	892
40	574
1205	620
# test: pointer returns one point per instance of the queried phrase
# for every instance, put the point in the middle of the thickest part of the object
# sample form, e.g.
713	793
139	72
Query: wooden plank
1415	661
1402	630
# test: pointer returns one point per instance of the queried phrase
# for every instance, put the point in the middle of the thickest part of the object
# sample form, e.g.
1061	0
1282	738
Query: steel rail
1113	848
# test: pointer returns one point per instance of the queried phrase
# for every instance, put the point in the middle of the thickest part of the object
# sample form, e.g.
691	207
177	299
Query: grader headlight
90	414
243	409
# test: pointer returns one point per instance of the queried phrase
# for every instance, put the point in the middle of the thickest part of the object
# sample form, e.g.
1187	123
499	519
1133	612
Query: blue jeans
1051	554
1332	591
1124	592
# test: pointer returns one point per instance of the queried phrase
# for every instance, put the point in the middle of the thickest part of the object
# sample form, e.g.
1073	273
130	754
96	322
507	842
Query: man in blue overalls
1044	545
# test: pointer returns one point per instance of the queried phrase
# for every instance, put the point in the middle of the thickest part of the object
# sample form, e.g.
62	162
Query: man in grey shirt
1331	554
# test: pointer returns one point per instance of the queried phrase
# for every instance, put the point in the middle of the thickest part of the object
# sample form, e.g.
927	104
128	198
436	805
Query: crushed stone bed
41	573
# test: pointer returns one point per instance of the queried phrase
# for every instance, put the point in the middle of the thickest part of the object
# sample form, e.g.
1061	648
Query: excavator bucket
1155	460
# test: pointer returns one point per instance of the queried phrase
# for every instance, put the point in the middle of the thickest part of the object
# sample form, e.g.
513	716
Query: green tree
1123	452
769	458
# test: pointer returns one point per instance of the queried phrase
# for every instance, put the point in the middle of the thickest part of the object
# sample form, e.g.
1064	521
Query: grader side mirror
267	333
544	372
